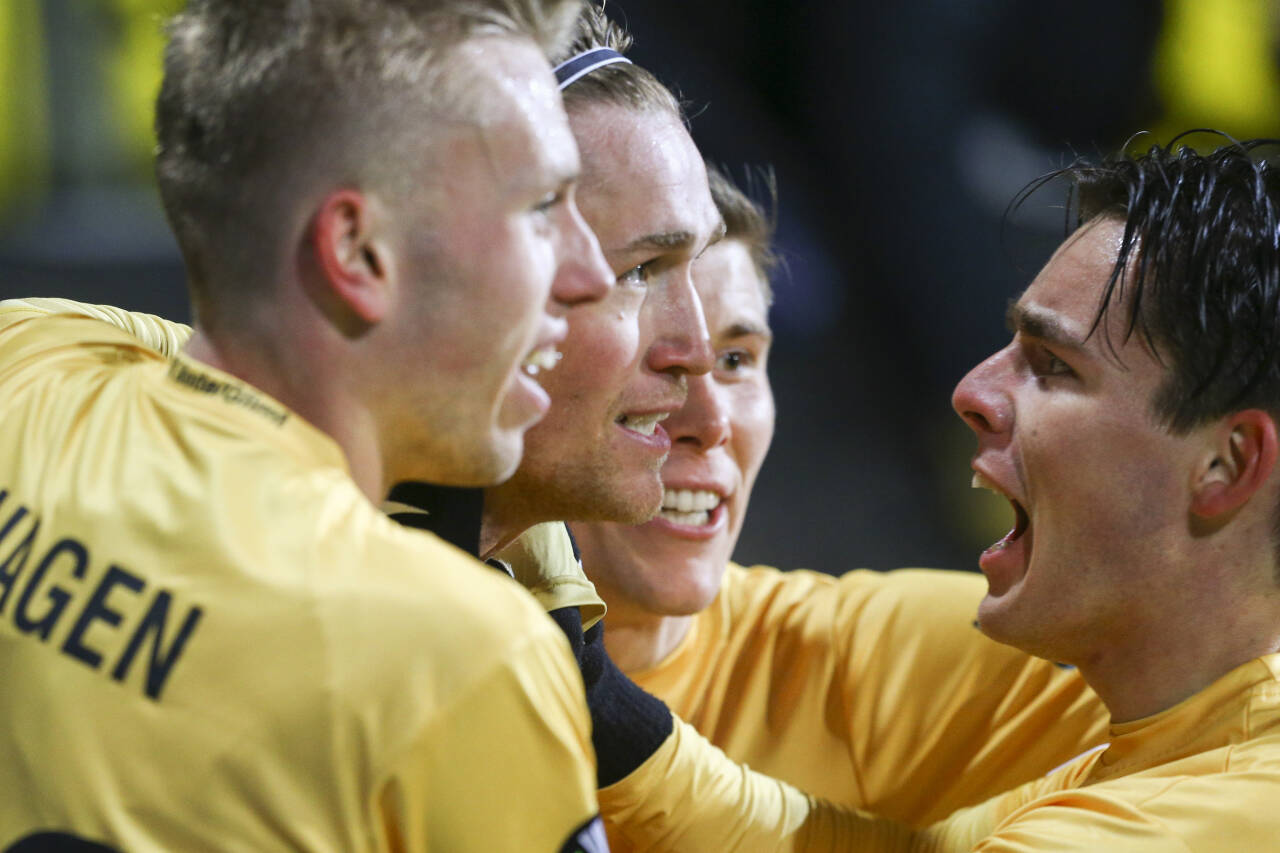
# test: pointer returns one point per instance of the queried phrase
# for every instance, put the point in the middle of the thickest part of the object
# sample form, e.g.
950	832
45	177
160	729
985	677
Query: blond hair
260	95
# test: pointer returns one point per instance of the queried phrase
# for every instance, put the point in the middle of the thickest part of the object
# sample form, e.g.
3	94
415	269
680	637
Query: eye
734	361
637	276
1045	363
548	201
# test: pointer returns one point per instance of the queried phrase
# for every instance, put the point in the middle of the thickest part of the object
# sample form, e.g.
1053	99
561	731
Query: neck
494	533
638	639
510	509
296	365
1152	668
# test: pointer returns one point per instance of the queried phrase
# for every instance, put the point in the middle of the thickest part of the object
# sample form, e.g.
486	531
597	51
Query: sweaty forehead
641	175
510	105
1073	281
490	76
730	288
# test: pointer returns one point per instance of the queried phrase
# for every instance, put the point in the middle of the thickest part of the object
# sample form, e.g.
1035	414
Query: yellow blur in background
118	46
78	80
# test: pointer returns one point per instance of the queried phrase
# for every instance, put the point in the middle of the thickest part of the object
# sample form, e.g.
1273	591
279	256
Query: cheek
753	423
522	265
602	342
1108	479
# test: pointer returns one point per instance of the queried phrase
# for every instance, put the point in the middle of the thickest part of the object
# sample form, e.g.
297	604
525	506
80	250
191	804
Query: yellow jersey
1202	777
210	639
873	690
541	559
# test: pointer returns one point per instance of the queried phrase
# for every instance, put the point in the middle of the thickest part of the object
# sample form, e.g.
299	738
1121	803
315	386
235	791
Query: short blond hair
257	93
622	84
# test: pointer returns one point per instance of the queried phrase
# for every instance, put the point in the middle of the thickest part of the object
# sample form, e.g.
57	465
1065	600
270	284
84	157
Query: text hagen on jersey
37	608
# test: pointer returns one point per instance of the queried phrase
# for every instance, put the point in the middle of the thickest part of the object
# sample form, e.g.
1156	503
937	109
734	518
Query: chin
690	604
634	505
690	593
497	462
1000	620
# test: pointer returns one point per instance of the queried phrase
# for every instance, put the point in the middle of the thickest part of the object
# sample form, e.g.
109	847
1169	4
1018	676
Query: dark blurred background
899	132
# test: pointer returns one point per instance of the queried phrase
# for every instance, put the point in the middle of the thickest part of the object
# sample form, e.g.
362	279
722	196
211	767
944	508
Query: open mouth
543	358
1021	521
691	507
643	424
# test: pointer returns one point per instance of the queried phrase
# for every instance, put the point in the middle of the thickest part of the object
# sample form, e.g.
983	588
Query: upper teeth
689	500
981	482
541	359
643	424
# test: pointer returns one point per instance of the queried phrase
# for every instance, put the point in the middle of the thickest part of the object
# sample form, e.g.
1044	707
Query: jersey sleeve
939	716
543	561
164	336
688	796
508	766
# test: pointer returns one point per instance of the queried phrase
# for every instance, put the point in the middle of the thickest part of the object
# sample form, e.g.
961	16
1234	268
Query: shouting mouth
1008	557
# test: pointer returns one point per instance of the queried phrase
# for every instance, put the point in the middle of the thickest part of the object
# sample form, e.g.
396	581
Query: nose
582	275
673	313
980	398
703	420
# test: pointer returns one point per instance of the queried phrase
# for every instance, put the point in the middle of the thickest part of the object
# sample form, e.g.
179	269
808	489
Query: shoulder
857	594
403	573
1149	811
164	336
383	586
27	335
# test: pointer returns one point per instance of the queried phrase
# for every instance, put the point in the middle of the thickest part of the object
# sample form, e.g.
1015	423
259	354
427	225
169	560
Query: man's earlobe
1242	460
354	288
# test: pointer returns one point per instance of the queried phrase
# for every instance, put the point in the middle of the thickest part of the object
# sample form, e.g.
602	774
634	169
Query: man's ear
355	287
1239	463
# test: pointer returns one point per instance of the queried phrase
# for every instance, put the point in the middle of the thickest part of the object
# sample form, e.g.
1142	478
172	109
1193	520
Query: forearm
689	796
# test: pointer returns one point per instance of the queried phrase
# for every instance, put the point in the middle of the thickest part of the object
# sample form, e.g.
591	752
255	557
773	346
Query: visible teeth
692	519
541	359
981	482
689	500
643	424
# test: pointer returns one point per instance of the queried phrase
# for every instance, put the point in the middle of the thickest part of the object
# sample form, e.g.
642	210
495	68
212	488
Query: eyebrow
746	329
662	241
1039	323
665	241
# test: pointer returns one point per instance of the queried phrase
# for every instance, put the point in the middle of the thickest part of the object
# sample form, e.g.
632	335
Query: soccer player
1131	423
872	690
210	637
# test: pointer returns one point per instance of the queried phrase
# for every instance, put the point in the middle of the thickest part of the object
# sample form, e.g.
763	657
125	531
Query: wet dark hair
1198	269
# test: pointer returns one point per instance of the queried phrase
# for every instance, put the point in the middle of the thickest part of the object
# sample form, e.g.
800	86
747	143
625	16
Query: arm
939	716
665	787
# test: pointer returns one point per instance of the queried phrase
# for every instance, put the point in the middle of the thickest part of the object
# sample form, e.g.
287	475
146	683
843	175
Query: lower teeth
693	519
